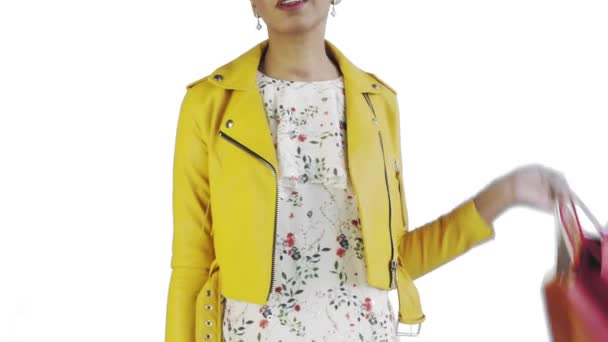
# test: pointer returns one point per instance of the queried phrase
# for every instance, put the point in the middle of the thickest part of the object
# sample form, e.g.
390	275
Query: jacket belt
410	310
210	304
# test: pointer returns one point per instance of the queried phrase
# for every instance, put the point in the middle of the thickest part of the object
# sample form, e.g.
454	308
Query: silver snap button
218	77
207	336
208	323
229	123
376	86
208	307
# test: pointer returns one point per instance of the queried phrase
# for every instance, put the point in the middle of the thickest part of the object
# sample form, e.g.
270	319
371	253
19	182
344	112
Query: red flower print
277	289
367	305
349	197
297	307
290	240
293	109
326	112
340	252
355	222
291	215
301	137
263	323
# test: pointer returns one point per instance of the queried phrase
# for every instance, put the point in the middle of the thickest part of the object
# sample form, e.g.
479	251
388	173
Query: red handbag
576	298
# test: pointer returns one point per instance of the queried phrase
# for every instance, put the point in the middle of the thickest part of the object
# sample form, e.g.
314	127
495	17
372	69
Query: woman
290	222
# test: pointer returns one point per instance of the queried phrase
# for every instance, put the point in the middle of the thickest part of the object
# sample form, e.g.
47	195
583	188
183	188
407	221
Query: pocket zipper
401	195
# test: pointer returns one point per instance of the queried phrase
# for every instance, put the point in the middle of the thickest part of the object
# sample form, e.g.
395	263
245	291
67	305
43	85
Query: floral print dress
320	291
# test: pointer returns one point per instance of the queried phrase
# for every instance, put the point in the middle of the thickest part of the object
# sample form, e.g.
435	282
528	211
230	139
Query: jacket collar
244	119
239	74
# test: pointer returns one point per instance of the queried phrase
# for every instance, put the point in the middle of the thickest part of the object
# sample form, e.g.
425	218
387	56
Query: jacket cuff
477	229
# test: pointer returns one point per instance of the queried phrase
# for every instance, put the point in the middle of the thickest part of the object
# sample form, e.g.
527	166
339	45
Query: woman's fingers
537	185
557	182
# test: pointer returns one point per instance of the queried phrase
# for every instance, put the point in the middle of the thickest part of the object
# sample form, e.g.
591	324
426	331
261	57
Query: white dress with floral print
321	293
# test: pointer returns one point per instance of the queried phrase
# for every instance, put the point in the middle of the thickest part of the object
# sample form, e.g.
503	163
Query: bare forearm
493	200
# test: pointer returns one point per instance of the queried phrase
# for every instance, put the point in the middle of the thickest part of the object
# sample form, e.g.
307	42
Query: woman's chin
295	27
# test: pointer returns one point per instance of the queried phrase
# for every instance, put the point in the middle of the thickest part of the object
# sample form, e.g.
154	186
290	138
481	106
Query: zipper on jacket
392	265
401	196
274	173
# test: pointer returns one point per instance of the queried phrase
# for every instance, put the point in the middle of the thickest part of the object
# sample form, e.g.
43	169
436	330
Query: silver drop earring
259	25
333	8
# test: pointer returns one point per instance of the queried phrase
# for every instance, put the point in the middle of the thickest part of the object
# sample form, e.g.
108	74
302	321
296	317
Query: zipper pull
392	265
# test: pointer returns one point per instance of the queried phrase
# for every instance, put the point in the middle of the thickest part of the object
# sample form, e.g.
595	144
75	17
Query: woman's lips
293	6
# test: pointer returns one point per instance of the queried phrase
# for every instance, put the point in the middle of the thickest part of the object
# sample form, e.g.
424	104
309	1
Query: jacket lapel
250	125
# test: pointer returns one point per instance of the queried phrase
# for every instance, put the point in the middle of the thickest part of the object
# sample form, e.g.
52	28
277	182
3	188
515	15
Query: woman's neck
298	58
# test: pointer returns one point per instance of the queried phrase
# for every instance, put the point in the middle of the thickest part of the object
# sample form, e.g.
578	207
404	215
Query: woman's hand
531	185
536	186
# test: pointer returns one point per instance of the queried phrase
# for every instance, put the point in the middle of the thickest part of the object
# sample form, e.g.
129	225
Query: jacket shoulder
379	80
199	81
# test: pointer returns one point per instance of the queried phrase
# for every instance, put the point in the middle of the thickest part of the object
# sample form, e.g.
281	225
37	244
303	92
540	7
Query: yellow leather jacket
225	199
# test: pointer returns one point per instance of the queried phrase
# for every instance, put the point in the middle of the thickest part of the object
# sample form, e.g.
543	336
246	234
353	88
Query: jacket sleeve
434	244
425	248
192	247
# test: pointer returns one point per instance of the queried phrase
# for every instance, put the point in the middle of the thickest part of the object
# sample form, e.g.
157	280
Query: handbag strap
569	230
567	256
592	218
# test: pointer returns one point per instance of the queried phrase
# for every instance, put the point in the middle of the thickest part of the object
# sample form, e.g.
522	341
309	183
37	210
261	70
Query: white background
89	98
